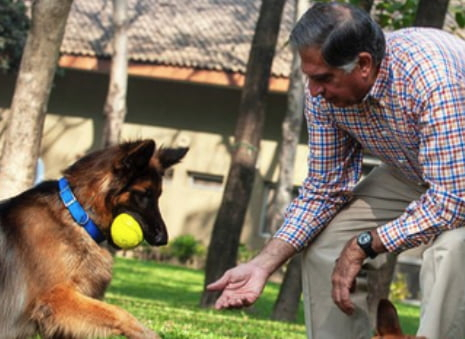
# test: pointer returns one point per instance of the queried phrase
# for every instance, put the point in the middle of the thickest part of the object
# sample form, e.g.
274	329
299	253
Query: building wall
174	114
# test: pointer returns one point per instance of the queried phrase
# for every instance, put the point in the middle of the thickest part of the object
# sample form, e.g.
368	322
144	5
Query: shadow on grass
170	285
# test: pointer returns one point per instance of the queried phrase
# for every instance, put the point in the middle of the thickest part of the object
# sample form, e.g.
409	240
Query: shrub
244	254
185	248
399	289
14	26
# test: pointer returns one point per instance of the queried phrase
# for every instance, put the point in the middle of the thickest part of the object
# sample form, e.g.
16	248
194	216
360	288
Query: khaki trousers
380	197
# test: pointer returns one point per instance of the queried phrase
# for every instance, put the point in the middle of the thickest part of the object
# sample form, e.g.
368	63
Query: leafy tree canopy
395	14
14	25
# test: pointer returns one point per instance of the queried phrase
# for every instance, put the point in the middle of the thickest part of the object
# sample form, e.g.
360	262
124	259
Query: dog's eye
143	198
148	194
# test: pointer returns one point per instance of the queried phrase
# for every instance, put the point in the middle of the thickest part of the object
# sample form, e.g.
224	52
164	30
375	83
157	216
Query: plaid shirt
413	119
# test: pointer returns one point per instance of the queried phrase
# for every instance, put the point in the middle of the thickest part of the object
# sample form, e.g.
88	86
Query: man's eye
324	79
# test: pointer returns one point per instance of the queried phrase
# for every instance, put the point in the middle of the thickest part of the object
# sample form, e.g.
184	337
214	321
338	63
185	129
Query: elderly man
401	97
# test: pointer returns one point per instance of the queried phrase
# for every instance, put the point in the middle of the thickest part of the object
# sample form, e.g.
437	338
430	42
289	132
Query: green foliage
14	25
185	248
459	15
245	254
396	14
460	18
399	289
392	14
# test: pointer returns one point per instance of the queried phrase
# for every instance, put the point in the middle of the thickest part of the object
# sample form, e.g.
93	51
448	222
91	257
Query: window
206	181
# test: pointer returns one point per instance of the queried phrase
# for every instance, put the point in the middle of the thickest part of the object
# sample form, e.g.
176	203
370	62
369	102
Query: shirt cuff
296	236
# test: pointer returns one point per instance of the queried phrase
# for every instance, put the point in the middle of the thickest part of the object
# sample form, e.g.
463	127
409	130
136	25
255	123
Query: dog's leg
64	312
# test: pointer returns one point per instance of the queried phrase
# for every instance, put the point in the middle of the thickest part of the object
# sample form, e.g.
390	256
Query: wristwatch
364	240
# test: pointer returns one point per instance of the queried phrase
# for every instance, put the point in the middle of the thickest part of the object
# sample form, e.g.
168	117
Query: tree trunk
224	243
287	303
379	285
115	106
291	128
286	306
431	13
33	85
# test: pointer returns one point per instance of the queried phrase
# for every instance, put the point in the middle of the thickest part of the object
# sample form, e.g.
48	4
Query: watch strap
367	246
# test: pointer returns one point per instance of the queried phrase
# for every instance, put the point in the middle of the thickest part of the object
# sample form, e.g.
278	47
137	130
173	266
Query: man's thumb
218	285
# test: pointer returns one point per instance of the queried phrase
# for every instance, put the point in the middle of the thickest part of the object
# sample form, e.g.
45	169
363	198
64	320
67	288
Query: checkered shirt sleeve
334	163
442	159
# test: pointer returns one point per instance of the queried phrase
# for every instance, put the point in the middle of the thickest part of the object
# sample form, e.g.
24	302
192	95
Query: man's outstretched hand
241	286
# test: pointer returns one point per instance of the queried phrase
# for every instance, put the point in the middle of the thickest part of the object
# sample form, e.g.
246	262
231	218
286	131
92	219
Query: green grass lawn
166	298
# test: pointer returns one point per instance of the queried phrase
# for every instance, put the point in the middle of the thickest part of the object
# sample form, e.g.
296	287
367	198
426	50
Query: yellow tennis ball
126	231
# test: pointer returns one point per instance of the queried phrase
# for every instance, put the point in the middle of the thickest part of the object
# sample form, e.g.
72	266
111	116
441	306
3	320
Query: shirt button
384	133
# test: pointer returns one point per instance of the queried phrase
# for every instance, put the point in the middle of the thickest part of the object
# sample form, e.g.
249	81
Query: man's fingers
345	303
227	300
220	284
341	294
341	298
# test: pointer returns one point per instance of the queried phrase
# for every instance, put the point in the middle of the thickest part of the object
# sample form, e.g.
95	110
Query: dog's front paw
149	334
145	333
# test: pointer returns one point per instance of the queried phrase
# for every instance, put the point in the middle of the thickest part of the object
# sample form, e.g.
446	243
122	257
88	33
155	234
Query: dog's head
125	179
387	323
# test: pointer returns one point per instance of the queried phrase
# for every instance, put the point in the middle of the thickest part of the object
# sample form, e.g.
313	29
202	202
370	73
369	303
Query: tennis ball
126	231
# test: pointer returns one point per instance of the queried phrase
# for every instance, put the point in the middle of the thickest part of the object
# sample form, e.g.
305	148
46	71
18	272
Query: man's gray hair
341	32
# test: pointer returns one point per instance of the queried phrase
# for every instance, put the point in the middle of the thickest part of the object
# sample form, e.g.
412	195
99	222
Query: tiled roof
202	34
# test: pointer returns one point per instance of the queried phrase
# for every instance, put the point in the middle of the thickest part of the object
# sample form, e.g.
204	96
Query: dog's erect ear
170	156
138	156
387	320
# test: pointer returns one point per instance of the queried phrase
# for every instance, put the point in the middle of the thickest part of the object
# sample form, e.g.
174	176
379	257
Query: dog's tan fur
52	273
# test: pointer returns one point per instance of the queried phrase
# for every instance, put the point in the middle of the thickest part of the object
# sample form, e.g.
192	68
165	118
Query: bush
14	26
244	254
185	248
399	289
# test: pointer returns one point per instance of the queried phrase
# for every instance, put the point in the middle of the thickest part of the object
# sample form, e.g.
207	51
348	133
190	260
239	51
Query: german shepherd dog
52	271
388	324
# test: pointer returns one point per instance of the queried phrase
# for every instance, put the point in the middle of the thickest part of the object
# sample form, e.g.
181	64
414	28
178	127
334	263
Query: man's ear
365	64
137	156
167	157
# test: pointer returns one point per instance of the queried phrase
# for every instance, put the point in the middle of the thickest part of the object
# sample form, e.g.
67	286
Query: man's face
338	87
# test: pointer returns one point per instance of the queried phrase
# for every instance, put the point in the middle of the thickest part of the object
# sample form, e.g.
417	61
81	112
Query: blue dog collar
77	211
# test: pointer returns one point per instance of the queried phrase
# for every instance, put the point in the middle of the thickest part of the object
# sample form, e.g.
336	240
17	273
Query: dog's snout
161	239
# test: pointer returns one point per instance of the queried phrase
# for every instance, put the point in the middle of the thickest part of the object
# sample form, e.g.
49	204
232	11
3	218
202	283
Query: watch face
364	238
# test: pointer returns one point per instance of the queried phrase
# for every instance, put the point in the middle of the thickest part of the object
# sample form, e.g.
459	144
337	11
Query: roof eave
210	77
